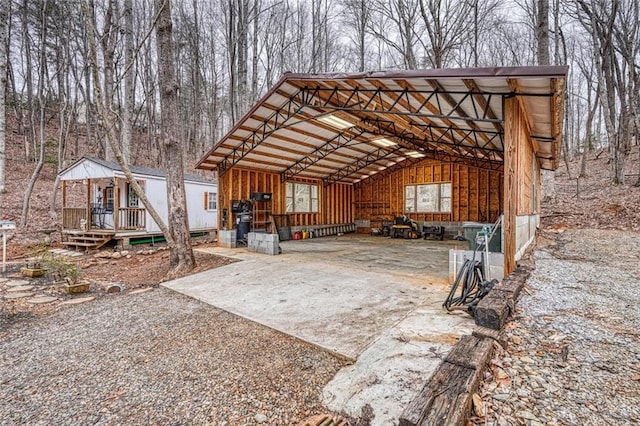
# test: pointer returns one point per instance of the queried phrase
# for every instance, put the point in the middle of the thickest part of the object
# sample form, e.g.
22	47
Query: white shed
110	209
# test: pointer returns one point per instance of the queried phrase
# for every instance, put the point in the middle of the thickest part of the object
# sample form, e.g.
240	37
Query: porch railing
71	217
131	218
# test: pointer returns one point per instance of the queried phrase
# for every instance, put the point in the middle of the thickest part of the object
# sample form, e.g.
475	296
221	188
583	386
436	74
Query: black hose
469	287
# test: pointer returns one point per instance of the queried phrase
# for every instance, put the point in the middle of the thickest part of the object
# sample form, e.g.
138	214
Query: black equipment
434	232
260	196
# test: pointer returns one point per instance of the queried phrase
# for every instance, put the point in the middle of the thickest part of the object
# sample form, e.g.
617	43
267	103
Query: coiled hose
468	288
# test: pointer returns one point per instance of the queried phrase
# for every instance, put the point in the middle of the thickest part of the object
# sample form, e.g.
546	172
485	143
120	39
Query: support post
512	132
4	251
116	204
88	214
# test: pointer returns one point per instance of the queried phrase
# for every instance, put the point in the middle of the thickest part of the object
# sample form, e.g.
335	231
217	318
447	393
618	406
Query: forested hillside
227	54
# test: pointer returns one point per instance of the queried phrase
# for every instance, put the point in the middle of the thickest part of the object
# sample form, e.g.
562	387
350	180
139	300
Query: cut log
494	309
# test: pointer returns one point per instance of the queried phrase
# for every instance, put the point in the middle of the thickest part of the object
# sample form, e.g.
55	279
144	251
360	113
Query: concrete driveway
373	300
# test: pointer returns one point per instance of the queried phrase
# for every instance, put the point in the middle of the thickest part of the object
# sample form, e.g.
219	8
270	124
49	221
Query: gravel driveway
574	347
155	358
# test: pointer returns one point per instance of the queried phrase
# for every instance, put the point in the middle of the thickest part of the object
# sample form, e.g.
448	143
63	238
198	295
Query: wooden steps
89	240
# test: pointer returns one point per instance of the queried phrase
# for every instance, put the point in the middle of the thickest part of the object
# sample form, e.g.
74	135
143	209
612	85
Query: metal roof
346	127
136	170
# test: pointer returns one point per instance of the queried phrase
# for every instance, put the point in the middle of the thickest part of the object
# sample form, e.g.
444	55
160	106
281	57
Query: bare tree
4	18
358	16
614	28
182	259
42	58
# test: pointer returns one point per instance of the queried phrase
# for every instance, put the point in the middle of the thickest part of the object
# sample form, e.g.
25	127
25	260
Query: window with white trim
301	197
428	198
210	200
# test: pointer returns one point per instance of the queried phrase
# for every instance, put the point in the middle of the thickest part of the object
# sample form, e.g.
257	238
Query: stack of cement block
227	238
260	242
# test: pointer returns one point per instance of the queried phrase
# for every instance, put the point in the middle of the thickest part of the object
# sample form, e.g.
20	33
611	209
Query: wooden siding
525	170
335	201
476	194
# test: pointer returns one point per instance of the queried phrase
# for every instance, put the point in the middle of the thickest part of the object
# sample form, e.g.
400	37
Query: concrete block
227	238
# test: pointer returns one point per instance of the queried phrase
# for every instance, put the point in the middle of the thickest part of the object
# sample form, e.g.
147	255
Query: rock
140	290
15	283
78	300
20	288
38	300
17	295
124	252
3	280
112	288
501	396
527	415
260	418
527	360
116	255
128	256
102	254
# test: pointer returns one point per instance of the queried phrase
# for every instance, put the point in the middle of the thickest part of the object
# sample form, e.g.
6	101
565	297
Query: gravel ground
573	353
155	358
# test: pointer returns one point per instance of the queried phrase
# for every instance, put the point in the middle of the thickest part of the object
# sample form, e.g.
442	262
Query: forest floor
572	353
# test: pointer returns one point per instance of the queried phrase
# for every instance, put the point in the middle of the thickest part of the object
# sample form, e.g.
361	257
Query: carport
441	146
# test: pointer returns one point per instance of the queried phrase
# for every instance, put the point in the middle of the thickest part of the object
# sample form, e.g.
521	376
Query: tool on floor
473	282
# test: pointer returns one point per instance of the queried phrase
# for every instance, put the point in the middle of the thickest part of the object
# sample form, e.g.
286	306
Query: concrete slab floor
373	300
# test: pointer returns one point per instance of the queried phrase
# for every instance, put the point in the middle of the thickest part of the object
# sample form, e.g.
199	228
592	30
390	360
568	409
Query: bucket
297	235
305	235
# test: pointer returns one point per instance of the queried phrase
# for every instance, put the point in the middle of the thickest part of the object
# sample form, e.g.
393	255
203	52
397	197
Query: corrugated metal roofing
329	126
138	170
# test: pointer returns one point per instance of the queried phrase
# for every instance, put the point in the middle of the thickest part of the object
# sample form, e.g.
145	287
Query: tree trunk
129	81
24	218
181	259
107	116
547	177
4	17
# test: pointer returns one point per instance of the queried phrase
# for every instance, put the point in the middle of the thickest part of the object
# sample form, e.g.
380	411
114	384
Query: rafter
274	122
361	163
341	140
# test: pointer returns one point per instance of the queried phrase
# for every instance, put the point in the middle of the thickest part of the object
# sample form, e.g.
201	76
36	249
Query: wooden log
445	399
489	333
494	309
471	352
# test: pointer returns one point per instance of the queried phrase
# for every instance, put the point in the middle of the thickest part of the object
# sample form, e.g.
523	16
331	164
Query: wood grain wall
336	200
476	193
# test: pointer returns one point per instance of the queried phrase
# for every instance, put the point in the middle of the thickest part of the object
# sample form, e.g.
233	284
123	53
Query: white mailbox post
5	225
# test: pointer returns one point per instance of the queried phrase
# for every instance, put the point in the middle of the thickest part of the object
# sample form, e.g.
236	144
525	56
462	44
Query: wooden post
116	204
64	194
88	214
512	132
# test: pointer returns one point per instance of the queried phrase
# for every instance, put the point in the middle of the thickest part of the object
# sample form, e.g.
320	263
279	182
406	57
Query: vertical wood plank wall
238	183
476	194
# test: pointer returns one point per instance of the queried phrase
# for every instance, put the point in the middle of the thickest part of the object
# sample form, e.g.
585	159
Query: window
428	198
302	198
108	199
132	198
210	200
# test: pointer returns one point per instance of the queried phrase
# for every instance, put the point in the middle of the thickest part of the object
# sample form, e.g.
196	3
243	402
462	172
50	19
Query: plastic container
471	230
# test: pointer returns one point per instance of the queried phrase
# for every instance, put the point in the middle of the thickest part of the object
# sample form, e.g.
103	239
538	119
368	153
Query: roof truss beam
361	163
341	140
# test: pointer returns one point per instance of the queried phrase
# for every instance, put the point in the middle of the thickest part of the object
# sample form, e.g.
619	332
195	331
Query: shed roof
346	127
136	170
